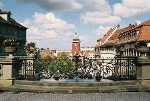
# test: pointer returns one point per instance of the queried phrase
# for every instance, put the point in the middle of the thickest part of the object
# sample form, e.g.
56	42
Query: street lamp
77	59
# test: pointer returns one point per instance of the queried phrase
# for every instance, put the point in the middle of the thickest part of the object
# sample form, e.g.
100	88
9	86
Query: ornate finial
76	36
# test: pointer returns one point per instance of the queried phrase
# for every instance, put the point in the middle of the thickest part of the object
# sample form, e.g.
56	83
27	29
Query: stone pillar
9	70
143	69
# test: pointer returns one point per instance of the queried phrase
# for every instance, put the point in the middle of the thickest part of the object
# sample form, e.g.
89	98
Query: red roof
112	38
143	28
44	53
123	30
107	34
144	31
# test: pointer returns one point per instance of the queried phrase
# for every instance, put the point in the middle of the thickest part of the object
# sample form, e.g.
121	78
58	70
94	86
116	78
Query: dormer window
5	15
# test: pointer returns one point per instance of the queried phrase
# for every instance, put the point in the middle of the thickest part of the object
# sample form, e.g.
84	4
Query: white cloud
138	22
67	37
87	41
97	18
50	22
100	31
129	8
54	5
98	12
47	28
1	5
83	38
92	11
95	5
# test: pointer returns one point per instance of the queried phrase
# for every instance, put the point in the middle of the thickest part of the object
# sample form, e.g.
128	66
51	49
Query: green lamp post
77	59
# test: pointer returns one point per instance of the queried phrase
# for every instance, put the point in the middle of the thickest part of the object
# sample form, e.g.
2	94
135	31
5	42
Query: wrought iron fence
27	70
119	68
126	68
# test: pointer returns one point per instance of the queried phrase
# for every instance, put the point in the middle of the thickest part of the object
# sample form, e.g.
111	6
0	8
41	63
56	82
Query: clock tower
75	45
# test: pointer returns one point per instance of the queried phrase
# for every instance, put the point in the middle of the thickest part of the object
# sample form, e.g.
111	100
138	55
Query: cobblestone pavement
120	96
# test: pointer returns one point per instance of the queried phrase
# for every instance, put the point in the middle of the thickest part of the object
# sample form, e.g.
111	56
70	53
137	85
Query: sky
53	23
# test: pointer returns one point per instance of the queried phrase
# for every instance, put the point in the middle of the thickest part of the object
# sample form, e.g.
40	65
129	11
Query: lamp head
76	55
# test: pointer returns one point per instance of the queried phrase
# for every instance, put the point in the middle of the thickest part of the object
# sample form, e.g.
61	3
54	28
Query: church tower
75	45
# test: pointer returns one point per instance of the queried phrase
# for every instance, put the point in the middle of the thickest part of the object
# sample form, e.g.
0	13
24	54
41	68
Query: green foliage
63	63
42	64
30	44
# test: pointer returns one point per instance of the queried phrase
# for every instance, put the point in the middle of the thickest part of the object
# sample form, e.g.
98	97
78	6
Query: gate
27	70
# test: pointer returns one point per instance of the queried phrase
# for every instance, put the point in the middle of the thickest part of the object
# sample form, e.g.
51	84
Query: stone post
143	69
9	70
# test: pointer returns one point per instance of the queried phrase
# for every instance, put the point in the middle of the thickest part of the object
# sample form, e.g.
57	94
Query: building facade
11	29
124	41
88	52
130	39
104	48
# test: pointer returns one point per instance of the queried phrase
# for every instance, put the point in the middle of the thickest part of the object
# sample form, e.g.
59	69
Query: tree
43	63
63	63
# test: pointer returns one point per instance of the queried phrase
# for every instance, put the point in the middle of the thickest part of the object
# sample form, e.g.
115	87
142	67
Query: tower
75	45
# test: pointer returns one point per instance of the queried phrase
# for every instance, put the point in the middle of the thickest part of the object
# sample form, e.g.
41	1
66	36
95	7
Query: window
123	37
135	34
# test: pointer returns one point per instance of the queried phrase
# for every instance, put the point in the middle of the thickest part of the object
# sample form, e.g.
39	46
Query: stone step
76	84
75	87
59	89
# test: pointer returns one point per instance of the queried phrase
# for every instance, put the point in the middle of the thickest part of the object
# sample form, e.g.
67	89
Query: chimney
118	26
